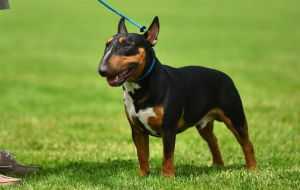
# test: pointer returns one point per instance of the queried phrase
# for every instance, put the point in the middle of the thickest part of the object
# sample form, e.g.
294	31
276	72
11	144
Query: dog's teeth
117	77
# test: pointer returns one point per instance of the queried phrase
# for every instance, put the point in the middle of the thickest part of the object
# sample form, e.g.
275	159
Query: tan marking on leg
168	169
243	140
141	142
247	147
207	134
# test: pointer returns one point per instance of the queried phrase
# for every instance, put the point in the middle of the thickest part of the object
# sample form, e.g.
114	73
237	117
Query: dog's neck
145	93
142	83
139	86
150	66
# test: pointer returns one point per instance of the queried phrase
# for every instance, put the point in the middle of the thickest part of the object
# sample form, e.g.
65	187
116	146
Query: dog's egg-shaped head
127	54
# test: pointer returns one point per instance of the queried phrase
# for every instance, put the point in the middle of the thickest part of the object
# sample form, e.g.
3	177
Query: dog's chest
149	117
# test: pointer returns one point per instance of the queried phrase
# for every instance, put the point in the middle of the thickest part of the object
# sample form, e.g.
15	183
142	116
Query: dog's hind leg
231	112
241	134
207	134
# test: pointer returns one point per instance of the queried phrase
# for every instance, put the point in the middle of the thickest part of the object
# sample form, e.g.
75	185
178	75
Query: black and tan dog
162	101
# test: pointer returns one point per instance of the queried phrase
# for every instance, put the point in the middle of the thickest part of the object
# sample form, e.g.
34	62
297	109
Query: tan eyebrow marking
122	39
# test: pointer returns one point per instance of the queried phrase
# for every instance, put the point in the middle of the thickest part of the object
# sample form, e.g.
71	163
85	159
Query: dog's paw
168	172
143	173
217	164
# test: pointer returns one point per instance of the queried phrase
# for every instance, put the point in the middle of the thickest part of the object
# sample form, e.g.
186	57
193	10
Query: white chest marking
130	87
144	114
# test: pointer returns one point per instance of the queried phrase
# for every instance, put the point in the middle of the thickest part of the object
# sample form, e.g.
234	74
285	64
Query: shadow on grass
88	172
106	173
194	170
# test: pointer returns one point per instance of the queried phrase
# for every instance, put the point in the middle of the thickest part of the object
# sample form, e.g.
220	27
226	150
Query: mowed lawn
56	112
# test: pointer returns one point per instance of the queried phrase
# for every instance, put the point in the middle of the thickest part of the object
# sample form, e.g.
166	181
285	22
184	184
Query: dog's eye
130	50
126	44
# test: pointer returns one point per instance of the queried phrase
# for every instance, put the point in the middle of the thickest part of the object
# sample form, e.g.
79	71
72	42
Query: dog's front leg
169	126
141	142
168	138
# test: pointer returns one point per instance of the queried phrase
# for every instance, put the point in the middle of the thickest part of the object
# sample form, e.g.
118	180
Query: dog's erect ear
121	26
152	33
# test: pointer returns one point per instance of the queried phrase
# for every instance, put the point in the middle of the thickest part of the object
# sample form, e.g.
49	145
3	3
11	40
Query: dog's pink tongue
113	81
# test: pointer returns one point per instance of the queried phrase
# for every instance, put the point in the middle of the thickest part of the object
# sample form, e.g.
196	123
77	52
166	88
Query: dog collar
147	73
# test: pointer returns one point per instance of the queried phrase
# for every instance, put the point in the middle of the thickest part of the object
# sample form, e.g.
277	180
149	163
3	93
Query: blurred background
56	110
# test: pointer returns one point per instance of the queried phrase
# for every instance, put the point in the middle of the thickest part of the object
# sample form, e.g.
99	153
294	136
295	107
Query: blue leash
108	6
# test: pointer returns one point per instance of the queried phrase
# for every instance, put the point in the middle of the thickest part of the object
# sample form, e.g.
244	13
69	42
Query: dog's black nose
102	72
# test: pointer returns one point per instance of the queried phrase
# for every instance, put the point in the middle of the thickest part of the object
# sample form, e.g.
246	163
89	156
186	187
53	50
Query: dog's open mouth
121	77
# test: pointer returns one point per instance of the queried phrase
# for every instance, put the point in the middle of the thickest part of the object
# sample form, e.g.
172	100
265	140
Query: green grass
56	112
